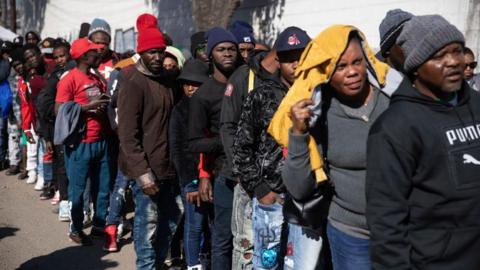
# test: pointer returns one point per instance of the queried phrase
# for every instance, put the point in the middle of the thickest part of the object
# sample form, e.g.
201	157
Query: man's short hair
60	42
27	47
467	50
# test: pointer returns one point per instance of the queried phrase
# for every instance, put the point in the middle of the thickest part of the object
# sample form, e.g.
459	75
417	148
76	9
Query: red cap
149	35
83	45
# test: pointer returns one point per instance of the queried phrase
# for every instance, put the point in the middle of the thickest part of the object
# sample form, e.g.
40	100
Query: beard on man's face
226	70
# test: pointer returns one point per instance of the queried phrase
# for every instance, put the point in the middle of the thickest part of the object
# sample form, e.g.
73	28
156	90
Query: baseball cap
81	46
292	38
46	46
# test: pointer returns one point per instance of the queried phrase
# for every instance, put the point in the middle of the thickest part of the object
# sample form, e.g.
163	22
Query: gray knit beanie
391	26
99	25
423	36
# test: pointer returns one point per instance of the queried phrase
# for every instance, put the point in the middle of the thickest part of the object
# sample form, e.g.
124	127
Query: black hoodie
45	103
237	91
423	183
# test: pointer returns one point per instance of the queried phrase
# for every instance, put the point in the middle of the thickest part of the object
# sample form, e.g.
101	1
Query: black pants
59	172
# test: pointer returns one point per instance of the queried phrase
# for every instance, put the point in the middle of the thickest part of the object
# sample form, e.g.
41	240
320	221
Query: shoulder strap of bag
251	80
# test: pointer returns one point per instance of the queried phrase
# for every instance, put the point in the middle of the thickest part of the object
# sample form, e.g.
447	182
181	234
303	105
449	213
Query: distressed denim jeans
156	219
242	230
303	248
268	223
117	199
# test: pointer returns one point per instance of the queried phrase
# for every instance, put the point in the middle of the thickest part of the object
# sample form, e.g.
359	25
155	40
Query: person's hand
301	114
97	106
49	147
30	138
205	190
270	198
150	189
193	197
147	184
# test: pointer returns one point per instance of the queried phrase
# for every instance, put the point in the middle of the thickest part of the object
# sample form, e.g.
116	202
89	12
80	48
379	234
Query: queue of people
315	153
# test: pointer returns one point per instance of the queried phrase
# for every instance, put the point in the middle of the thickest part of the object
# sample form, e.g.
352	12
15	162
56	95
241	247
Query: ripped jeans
269	234
155	222
117	199
242	230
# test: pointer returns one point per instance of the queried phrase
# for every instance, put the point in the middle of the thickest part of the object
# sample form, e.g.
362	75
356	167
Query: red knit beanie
149	36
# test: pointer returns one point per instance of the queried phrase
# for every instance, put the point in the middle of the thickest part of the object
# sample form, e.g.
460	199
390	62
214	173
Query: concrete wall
316	15
269	17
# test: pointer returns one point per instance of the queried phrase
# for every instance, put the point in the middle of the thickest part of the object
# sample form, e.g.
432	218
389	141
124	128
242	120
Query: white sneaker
64	211
40	183
195	267
32	177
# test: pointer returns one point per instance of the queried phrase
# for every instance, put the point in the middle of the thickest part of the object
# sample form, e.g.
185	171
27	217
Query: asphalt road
32	238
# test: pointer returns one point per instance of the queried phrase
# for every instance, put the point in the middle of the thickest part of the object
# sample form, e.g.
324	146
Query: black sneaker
97	232
13	170
23	175
47	193
80	238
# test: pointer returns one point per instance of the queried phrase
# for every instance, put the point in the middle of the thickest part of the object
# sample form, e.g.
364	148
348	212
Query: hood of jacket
316	66
254	63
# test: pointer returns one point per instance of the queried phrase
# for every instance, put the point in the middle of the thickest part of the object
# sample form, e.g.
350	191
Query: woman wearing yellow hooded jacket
330	110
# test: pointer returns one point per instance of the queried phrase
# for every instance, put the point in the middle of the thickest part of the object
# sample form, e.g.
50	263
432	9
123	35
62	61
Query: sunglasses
471	65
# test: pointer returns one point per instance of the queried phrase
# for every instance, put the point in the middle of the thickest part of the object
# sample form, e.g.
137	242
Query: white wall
316	15
63	17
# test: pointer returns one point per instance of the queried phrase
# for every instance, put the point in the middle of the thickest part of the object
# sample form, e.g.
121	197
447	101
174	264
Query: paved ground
31	237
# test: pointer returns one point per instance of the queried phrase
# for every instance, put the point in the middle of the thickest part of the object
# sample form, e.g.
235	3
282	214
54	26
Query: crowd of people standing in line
312	154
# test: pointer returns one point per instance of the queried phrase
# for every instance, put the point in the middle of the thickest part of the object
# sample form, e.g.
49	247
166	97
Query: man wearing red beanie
145	101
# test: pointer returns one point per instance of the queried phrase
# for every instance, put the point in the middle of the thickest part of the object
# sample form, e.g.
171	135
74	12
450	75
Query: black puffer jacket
257	158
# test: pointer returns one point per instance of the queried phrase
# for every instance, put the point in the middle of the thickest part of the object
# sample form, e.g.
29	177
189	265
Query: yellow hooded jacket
315	67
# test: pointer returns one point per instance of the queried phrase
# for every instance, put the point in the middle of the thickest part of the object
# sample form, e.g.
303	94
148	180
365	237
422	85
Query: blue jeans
117	199
348	252
222	233
156	219
88	160
196	219
267	233
303	248
45	168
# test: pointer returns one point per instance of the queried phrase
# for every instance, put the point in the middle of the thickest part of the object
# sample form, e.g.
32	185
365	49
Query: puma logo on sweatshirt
469	159
463	134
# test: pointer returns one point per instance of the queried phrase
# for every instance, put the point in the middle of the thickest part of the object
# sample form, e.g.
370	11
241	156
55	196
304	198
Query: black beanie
195	40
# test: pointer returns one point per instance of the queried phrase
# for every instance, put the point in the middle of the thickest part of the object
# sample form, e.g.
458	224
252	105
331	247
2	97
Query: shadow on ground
72	258
7	231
